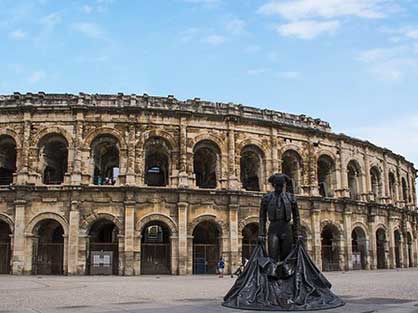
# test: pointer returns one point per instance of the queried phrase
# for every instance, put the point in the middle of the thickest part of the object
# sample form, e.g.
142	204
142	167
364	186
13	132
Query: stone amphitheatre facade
131	185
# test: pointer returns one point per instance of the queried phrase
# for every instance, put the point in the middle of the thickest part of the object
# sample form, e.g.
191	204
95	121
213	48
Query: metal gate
155	258
48	259
100	248
205	258
330	258
4	258
381	257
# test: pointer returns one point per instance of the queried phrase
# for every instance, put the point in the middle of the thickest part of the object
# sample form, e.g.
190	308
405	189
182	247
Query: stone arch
11	133
159	133
156	217
47	131
292	165
290	146
362	226
220	225
207	164
326	167
251	142
88	222
354	178
8	220
47	216
252	167
334	224
331	246
88	140
248	220
326	152
217	140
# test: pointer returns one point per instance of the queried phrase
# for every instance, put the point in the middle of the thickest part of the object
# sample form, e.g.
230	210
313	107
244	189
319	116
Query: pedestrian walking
221	267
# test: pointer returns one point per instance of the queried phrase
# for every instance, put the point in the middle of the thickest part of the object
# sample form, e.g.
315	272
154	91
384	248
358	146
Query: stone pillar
183	254
18	258
316	236
347	214
73	236
130	171
343	191
367	188
234	237
129	268
274	152
392	261
23	171
233	182
183	174
372	243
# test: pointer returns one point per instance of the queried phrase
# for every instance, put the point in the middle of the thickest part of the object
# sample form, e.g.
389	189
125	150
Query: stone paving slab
364	292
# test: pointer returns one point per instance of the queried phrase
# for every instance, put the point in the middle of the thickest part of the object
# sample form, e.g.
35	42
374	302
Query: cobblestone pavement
364	292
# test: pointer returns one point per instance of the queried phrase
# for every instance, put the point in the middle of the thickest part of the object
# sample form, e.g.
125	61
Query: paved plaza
364	292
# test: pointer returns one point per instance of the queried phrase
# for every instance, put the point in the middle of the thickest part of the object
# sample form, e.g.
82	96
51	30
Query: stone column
18	258
23	172
183	254
274	152
392	261
129	268
233	182
73	236
234	236
130	164
316	236
77	154
372	242
347	214
367	188
183	174
344	191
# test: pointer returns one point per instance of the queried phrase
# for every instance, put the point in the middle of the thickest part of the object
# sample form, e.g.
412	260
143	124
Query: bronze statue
285	279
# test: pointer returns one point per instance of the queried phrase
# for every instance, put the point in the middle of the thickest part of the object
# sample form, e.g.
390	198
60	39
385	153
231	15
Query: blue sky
353	63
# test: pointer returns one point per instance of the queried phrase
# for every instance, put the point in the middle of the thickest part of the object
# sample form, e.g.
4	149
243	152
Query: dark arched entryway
397	235
155	249
380	248
249	239
330	248
410	250
206	248
103	258
5	250
359	248
48	245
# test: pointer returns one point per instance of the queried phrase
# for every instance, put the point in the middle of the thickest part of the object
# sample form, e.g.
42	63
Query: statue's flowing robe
304	288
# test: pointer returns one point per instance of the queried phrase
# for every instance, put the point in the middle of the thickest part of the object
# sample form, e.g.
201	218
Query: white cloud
188	35
289	75
257	71
87	9
88	29
17	34
214	40
36	76
235	26
307	29
302	9
51	20
389	64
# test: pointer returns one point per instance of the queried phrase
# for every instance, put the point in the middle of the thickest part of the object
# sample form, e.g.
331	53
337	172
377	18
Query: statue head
279	181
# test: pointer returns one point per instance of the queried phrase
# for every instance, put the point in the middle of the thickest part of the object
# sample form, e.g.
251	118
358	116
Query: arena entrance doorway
5	250
380	248
48	248
103	258
155	249
359	248
329	248
206	250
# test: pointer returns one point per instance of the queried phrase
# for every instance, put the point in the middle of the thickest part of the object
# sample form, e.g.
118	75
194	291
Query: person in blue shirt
221	267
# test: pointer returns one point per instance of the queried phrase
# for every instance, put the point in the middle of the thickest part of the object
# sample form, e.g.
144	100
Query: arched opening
155	249
157	156
5	248
330	250
206	164
249	239
359	248
206	248
397	235
292	167
381	248
105	153
392	186
376	182
410	250
326	176
48	245
354	180
404	190
7	160
103	258
53	150
251	168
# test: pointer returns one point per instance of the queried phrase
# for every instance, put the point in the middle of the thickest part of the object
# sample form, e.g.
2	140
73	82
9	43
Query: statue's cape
301	285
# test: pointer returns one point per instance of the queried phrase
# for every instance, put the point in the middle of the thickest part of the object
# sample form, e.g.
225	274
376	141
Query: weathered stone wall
132	120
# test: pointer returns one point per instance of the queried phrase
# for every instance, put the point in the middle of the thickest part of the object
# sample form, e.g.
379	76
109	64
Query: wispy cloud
307	29
17	34
51	20
36	76
88	29
214	40
235	26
